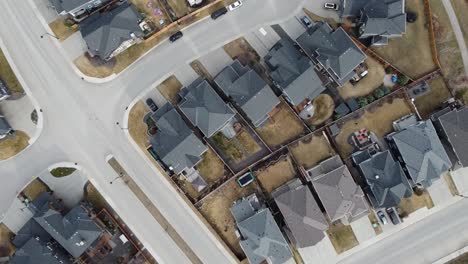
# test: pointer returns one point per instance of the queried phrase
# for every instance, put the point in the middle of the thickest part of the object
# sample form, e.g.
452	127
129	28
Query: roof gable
455	126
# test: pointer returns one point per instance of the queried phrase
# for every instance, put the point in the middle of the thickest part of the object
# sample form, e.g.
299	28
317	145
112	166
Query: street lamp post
123	128
47	33
118	177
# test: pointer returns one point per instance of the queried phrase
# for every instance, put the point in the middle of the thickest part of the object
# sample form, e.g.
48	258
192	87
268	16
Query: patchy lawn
154	12
62	30
429	102
311	150
377	119
248	143
170	89
11	146
238	148
342	237
462	259
241	49
281	128
413	203
93	196
375	223
366	85
276	174
8	76
412	52
451	184
323	107
211	168
62	171
180	7
461	9
6	247
216	210
34	189
136	127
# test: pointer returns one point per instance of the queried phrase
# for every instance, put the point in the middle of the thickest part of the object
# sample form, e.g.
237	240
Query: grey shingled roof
174	141
293	72
68	5
34	252
335	50
205	109
385	18
248	90
340	195
422	152
105	32
302	215
5	127
455	126
386	180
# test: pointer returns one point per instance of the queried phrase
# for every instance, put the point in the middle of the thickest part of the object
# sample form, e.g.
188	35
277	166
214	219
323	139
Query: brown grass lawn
247	141
342	237
378	120
415	202
366	85
462	259
61	30
451	184
429	102
211	168
170	88
216	210
281	128
9	147
93	196
374	221
310	151
180	7
276	174
34	189
228	147
8	76
411	53
86	67
136	126
324	107
461	9
6	247
241	49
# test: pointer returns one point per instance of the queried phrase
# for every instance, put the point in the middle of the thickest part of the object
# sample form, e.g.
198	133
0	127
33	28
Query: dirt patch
312	150
211	168
282	127
276	174
62	29
154	11
8	76
429	102
136	127
378	119
240	49
342	237
13	145
170	89
412	52
413	203
34	189
216	210
6	247
366	85
323	107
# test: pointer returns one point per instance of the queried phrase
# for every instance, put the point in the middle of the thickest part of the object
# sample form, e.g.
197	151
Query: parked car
306	21
331	6
235	5
245	179
218	13
150	103
393	216
176	36
382	217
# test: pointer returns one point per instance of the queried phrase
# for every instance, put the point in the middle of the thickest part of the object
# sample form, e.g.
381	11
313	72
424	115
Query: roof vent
377	177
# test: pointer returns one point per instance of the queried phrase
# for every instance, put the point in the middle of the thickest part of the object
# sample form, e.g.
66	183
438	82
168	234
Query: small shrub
62	171
386	90
362	101
402	80
370	98
378	93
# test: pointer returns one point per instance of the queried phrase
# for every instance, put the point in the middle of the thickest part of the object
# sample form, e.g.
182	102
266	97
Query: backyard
13	145
276	174
323	109
154	12
8	76
238	148
429	102
170	89
378	119
281	128
211	168
342	237
309	151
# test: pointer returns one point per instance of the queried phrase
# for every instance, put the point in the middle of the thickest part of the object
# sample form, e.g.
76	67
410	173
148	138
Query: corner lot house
379	20
305	222
5	128
109	33
420	151
260	236
386	182
293	73
342	198
249	91
204	108
77	9
332	51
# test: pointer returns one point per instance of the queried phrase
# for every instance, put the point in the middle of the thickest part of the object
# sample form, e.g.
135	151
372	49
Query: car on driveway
393	216
150	103
235	5
331	6
382	217
306	21
176	36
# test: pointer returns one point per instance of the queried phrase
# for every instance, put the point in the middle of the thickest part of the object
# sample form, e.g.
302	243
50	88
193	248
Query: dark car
393	216
306	21
150	103
176	36
219	13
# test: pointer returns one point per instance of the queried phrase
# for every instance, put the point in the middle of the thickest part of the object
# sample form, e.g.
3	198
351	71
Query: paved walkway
458	33
69	188
215	61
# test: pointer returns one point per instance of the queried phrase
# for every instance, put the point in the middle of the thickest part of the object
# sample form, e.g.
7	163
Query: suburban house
49	233
260	237
249	91
5	128
452	127
386	182
379	20
78	9
4	91
332	51
305	222
420	151
293	72
205	109
109	33
342	198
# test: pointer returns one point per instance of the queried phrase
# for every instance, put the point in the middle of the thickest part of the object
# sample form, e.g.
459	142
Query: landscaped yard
281	128
62	29
377	119
429	102
9	147
8	76
216	210
170	89
412	52
276	174
211	168
366	85
6	247
311	150
413	203
34	189
136	127
342	237
62	171
323	107
238	148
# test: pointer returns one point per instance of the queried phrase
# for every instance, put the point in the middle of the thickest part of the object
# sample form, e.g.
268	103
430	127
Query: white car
235	5
332	6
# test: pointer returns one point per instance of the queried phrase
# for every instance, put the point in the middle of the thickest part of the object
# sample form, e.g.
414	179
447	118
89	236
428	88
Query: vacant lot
276	174
342	237
378	119
34	189
8	76
411	53
62	30
281	128
136	127
216	210
11	146
211	168
461	9
6	247
366	85
413	203
323	107
429	102
311	150
170	89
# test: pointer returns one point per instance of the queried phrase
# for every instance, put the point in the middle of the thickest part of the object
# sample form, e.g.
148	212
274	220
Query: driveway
439	192
215	61
69	188
186	75
323	252
18	113
74	46
460	178
17	216
262	39
363	229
